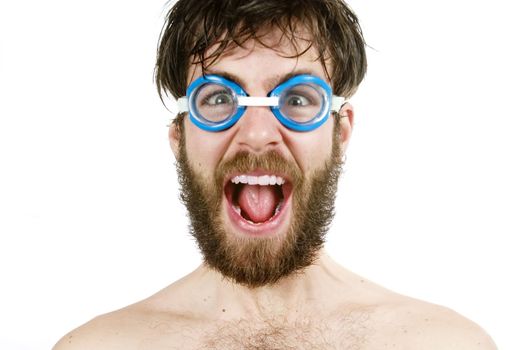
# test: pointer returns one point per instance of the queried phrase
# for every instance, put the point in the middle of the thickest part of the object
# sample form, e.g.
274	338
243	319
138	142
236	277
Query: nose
258	130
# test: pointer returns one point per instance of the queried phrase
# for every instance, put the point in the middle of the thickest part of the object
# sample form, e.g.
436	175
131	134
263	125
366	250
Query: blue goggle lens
303	103
214	102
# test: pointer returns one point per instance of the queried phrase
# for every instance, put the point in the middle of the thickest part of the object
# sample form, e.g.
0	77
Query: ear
346	114
174	135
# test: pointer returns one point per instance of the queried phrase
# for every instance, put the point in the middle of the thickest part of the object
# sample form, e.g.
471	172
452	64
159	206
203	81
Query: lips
257	203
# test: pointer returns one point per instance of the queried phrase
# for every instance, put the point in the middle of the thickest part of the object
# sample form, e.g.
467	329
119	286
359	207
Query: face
258	233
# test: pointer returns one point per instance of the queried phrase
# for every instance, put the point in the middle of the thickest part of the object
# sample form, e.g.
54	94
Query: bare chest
350	332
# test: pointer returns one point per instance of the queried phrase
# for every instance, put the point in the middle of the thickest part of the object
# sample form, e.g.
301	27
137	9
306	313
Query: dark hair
192	27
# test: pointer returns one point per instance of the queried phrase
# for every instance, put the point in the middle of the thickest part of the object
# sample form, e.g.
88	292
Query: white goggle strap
338	102
182	107
258	101
182	104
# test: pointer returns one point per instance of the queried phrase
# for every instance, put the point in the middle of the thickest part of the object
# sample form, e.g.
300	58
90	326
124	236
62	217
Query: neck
322	282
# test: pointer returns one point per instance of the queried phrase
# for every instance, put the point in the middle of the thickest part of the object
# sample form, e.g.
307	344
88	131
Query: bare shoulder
414	324
134	327
156	322
107	331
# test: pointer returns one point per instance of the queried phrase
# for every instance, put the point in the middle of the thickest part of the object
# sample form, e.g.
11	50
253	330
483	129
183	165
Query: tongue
258	202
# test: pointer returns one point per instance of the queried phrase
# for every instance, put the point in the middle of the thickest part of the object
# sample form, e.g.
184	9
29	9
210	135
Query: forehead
267	61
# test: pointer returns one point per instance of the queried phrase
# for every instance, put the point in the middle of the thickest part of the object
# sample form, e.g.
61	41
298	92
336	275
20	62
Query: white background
432	202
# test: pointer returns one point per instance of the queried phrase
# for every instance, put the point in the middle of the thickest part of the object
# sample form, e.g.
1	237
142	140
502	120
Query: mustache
271	162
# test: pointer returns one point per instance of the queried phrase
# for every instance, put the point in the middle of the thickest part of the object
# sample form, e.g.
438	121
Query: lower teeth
278	208
237	209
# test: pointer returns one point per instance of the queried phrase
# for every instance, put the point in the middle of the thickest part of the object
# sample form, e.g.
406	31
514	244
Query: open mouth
256	200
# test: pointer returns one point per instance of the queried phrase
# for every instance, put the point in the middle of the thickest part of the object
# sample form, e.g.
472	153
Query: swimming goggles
302	103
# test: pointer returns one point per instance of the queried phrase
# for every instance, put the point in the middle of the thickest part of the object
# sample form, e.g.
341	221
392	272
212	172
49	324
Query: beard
258	261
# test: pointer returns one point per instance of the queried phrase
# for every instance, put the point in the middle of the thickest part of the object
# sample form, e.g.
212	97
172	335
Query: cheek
313	148
204	148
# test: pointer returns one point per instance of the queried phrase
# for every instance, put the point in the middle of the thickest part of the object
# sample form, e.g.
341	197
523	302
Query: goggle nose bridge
258	101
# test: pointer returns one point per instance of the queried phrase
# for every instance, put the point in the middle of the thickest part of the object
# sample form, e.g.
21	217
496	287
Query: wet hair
201	31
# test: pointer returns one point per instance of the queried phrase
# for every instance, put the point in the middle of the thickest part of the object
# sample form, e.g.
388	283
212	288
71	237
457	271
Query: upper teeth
258	180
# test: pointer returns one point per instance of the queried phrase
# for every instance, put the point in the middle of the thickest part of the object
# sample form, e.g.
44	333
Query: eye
297	101
218	98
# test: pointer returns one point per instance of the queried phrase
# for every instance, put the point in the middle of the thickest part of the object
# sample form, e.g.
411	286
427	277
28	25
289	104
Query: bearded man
262	88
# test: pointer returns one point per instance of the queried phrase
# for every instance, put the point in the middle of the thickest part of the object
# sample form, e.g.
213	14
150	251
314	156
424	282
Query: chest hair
348	332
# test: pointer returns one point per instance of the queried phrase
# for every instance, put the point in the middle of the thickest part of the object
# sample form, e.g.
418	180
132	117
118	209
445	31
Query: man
261	87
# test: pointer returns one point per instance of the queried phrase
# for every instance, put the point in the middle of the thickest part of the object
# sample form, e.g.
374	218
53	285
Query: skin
325	306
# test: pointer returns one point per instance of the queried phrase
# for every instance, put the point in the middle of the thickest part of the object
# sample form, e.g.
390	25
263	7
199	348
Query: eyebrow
269	83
